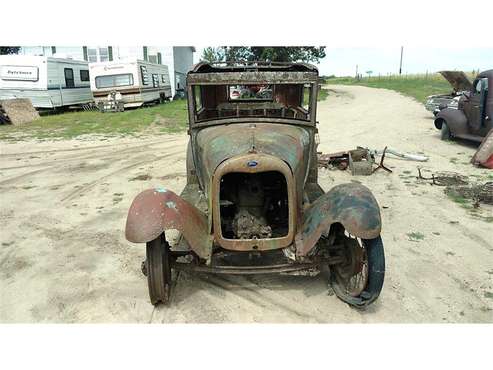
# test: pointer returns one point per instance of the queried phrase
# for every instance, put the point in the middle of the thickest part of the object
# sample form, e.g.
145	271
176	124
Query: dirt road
64	258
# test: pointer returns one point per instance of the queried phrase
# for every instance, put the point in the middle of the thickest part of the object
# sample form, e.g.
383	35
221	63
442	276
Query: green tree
264	53
9	50
211	54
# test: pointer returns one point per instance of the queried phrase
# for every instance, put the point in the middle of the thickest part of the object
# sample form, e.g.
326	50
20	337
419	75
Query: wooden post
400	65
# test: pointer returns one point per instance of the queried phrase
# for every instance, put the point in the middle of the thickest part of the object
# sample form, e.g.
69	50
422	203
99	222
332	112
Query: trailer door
69	77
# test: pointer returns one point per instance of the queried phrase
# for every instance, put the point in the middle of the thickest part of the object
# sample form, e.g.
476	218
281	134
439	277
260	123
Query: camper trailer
138	82
48	82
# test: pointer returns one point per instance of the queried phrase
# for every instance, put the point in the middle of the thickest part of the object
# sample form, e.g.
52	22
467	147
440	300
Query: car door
472	107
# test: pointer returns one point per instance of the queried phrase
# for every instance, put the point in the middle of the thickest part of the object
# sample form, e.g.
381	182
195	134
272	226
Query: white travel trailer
48	82
137	81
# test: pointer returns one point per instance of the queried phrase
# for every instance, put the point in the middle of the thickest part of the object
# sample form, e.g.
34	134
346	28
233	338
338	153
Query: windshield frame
272	78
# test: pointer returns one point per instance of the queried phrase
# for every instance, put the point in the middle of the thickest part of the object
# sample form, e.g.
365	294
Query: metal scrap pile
361	160
458	185
478	193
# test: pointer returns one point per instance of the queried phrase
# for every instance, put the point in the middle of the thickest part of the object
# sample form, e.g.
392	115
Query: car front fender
156	210
455	119
352	205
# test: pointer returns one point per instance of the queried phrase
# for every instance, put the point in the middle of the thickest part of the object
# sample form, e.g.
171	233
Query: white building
179	59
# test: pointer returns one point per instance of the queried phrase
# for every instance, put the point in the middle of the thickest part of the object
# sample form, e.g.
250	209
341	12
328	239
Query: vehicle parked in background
472	120
139	82
459	82
49	82
252	203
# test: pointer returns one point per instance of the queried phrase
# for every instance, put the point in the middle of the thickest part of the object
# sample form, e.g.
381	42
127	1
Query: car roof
250	66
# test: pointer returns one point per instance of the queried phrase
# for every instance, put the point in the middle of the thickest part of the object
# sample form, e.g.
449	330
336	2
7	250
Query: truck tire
445	132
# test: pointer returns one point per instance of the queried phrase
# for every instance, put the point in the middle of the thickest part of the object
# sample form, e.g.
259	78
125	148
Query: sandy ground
64	258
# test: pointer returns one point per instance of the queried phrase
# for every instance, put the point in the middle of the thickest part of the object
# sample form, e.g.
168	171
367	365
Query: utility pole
400	65
357	72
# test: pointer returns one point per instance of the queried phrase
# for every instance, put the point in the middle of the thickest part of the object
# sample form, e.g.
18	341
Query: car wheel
158	270
359	279
445	132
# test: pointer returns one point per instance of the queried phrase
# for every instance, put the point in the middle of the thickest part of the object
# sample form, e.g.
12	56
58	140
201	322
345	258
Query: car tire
158	270
376	275
445	132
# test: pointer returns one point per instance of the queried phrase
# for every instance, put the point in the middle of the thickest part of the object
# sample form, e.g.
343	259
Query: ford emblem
252	163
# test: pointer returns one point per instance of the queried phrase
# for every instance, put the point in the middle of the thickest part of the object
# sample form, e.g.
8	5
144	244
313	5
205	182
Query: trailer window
84	75
114	81
143	73
163	79
69	77
155	80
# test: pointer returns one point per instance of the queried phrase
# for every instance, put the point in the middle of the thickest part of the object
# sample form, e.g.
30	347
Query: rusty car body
472	120
252	204
459	82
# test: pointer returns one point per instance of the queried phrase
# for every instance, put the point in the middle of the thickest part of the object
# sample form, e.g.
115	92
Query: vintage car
252	204
472	120
459	82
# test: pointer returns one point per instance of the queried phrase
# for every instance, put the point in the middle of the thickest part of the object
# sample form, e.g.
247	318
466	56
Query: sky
384	60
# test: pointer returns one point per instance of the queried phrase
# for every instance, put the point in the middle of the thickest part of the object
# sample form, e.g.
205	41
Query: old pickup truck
252	203
472	120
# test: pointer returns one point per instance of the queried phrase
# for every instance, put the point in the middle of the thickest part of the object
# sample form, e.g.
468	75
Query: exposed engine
254	206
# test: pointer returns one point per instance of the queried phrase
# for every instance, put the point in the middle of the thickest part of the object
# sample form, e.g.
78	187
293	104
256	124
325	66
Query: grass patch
416	86
457	198
415	236
166	118
322	94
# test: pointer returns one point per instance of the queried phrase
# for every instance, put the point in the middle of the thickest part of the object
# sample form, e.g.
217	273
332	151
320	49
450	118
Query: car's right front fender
352	205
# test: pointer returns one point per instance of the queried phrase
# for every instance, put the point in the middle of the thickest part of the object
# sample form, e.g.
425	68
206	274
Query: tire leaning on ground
445	132
375	278
158	270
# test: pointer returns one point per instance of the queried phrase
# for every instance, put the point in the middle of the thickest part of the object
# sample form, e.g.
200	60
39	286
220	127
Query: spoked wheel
359	280
157	268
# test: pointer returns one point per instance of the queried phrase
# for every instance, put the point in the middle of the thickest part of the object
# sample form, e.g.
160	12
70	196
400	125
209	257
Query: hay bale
18	111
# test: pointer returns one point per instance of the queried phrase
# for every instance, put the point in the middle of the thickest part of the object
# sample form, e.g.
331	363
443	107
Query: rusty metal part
252	72
478	193
339	160
156	210
444	178
240	164
484	154
351	205
360	162
244	270
247	226
381	165
214	145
